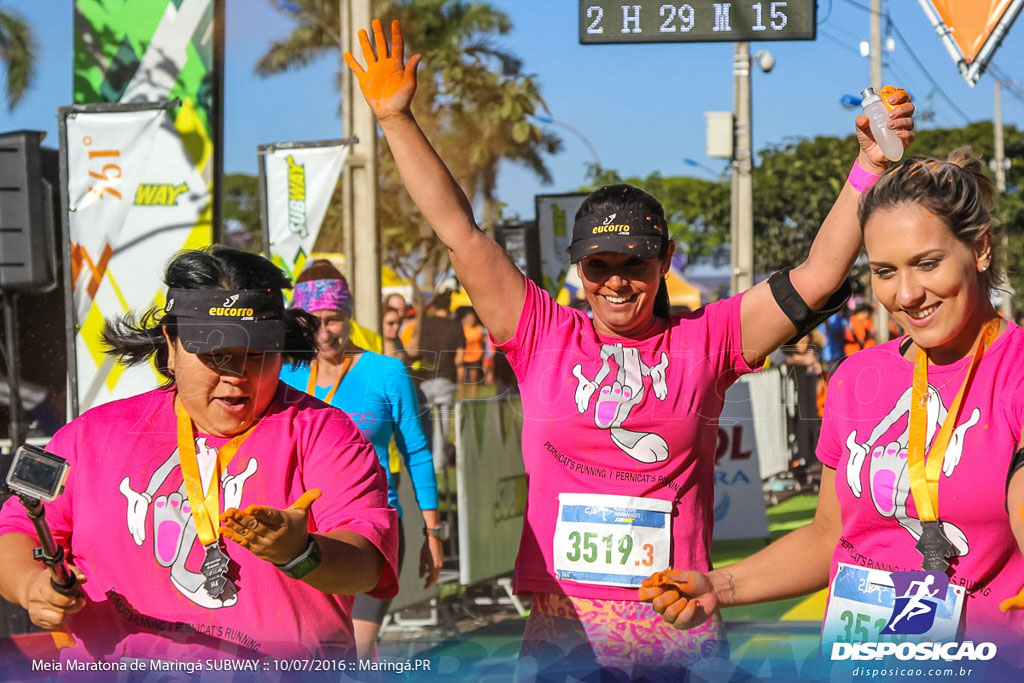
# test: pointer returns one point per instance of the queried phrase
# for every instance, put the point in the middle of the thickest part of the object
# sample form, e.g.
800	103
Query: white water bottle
878	115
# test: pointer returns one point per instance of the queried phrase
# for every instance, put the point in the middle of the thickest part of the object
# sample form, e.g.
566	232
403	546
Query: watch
439	532
307	561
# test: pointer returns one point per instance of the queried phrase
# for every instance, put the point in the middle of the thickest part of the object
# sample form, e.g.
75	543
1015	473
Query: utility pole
742	180
360	233
881	314
1007	306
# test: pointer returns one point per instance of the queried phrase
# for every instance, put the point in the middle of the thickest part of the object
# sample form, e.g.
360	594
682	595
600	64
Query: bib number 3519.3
611	540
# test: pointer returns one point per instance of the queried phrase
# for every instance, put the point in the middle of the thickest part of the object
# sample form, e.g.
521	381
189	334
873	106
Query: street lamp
704	167
742	205
552	122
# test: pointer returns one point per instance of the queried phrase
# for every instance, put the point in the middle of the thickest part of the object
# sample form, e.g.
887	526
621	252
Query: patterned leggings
609	639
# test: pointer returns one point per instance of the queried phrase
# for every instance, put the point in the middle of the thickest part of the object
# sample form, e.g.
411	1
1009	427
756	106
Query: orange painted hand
1016	602
387	82
683	598
277	536
901	119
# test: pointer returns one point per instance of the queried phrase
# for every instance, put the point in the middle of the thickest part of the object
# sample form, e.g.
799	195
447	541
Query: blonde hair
956	190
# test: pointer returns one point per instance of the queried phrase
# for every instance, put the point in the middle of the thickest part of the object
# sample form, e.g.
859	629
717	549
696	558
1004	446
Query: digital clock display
621	21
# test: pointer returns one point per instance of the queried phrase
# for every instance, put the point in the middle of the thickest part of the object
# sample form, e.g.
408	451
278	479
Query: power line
928	75
1012	85
838	41
935	85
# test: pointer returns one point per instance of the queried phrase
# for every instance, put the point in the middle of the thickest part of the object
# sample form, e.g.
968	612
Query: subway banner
126	213
297	181
555	215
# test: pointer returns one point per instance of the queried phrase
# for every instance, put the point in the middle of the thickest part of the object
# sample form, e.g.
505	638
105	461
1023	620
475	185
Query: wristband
860	179
307	561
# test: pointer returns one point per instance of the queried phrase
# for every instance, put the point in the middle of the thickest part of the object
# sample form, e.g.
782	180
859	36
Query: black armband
1016	462
802	317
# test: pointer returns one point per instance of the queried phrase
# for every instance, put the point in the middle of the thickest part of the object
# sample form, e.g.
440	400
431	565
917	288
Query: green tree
18	51
795	185
697	210
473	102
241	194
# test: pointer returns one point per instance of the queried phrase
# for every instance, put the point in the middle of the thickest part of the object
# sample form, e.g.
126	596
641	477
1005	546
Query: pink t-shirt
124	518
864	437
626	417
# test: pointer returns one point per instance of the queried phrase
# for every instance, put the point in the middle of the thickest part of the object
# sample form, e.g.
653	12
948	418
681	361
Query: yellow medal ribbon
311	384
924	475
205	506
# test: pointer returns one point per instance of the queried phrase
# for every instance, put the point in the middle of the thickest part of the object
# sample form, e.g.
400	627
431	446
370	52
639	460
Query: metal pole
881	314
17	424
743	183
1000	158
360	233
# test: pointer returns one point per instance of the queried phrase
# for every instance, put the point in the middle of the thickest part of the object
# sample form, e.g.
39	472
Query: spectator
440	353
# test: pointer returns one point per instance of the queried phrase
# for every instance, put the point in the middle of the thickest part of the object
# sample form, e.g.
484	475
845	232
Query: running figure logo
174	529
918	595
882	459
617	398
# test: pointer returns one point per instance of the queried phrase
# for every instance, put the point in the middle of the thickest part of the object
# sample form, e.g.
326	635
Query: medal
936	550
215	569
934	547
206	505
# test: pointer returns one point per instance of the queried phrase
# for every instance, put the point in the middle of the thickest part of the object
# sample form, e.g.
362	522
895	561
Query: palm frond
18	51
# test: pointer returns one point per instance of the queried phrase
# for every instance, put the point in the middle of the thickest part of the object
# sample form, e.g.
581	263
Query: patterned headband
319	295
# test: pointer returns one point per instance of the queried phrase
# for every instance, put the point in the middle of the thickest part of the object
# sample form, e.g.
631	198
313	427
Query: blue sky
640	106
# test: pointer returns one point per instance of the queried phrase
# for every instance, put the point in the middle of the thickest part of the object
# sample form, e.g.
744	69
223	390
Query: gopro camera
37	473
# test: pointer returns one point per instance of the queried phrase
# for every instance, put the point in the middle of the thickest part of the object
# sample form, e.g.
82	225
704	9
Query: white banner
555	214
300	183
739	502
491	485
135	199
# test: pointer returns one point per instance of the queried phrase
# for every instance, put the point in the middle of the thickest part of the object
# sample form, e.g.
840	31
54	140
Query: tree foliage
473	102
796	183
18	52
697	210
241	193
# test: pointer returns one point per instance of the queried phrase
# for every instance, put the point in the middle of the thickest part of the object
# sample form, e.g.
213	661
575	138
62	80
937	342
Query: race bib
611	540
875	606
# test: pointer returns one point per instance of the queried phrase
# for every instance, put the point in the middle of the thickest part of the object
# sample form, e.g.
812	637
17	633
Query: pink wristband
860	179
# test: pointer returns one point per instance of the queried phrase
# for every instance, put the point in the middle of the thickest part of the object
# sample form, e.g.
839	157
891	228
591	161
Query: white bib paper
862	602
611	540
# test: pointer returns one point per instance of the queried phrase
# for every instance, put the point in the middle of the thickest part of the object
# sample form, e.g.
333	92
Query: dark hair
321	269
442	301
614	198
134	340
956	190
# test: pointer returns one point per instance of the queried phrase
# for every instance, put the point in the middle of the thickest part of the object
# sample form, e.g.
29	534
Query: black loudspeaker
27	237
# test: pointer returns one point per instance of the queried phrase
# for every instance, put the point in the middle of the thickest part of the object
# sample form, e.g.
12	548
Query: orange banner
971	23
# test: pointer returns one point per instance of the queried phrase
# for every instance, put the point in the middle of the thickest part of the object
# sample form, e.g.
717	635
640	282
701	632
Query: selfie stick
63	579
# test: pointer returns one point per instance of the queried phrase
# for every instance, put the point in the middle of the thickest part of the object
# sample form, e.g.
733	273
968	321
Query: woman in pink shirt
921	487
223	515
621	410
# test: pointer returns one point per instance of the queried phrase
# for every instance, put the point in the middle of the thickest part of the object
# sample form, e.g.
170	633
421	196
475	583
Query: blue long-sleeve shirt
379	397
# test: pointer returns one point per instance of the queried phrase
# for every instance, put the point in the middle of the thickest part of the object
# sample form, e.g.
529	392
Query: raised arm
687	598
491	279
764	325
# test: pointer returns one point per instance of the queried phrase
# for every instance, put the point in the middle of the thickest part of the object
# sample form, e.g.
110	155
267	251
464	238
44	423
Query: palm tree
472	101
18	50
